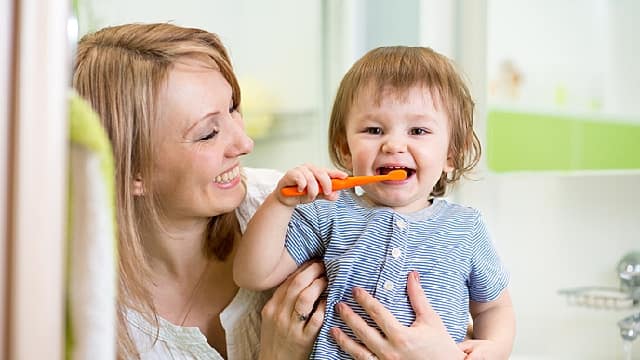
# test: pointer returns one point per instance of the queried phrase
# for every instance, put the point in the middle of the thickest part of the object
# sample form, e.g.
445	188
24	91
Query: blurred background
556	83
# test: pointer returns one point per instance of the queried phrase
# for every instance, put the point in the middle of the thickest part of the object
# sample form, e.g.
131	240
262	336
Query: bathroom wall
275	48
558	232
555	230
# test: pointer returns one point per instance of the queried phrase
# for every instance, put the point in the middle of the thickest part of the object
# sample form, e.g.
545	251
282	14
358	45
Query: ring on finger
372	356
300	316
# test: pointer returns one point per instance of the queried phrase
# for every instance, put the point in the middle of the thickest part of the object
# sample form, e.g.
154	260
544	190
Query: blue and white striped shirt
375	248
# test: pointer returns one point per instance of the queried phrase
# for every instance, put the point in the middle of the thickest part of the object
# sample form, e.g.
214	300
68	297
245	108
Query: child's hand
315	180
480	350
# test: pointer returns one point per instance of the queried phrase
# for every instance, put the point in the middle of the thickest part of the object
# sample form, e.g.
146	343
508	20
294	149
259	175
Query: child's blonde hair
401	68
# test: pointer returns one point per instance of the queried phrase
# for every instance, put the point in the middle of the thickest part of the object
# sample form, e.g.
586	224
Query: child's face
405	131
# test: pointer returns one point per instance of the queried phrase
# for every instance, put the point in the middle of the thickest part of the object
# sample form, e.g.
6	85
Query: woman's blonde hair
401	68
120	71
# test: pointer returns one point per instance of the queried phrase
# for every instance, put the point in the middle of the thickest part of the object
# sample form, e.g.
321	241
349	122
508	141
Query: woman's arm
290	321
426	339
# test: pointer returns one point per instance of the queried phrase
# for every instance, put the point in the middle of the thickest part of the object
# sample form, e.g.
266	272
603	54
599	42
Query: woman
169	101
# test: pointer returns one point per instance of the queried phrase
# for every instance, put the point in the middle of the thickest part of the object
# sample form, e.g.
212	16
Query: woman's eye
373	130
209	136
419	131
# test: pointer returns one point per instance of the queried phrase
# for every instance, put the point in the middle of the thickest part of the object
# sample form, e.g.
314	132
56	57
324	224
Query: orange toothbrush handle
292	191
351	181
336	184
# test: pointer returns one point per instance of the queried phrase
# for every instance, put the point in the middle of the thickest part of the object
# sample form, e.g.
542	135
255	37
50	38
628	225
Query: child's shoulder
455	211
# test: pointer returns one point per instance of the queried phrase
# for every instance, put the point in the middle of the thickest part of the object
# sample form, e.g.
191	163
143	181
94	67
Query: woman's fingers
283	332
303	277
371	337
350	346
303	288
385	320
425	315
419	302
314	323
308	297
284	299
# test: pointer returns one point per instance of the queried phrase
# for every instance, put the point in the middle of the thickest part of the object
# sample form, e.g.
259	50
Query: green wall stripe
538	142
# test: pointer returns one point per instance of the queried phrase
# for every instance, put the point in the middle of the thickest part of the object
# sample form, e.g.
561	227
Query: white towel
91	297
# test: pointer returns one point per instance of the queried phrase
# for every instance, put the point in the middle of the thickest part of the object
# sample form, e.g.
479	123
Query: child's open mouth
385	170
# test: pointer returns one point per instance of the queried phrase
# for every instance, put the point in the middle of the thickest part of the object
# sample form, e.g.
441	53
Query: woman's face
199	141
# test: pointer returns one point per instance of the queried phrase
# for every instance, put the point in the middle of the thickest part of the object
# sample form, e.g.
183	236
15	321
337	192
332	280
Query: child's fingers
337	174
332	196
315	181
310	178
294	177
322	180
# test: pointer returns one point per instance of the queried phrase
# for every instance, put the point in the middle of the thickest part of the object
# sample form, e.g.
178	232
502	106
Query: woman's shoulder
259	183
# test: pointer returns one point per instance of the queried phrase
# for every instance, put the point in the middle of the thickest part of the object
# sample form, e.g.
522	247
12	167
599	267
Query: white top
240	319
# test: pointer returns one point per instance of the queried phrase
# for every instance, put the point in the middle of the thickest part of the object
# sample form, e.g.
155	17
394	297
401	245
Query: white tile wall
554	232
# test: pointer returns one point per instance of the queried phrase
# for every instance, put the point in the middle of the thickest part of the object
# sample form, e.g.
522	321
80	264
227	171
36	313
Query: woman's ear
138	187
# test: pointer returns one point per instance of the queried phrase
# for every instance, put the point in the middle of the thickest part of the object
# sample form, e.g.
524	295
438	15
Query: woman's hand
290	323
427	338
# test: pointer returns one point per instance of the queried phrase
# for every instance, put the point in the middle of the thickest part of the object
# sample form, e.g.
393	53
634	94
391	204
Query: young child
396	108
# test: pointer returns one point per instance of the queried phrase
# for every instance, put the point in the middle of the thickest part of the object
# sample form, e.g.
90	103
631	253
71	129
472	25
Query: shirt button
401	224
396	253
388	285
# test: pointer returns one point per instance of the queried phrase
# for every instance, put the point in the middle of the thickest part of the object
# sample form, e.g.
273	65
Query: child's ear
449	166
345	156
341	150
138	187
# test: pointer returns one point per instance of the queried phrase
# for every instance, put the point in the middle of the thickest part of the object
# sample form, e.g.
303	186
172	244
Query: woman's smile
228	179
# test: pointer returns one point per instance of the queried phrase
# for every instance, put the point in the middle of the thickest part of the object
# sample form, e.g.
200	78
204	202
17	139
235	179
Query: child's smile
405	130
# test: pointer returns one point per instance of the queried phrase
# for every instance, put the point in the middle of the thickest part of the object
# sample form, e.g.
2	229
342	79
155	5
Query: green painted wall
539	142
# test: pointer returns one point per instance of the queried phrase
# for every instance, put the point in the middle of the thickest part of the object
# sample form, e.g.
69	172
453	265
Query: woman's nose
241	143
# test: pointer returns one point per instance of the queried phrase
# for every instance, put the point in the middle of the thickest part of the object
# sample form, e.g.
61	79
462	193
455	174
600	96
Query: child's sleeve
488	277
305	238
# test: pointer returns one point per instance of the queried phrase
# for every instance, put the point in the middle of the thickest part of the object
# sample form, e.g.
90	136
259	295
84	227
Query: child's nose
394	145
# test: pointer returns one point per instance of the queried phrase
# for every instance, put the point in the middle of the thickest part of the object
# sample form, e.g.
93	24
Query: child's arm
493	329
261	260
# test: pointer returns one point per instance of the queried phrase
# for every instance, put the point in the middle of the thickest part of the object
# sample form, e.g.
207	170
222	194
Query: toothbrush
339	184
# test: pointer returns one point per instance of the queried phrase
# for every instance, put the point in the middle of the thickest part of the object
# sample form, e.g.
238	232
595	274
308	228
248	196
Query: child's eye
209	136
373	130
419	131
